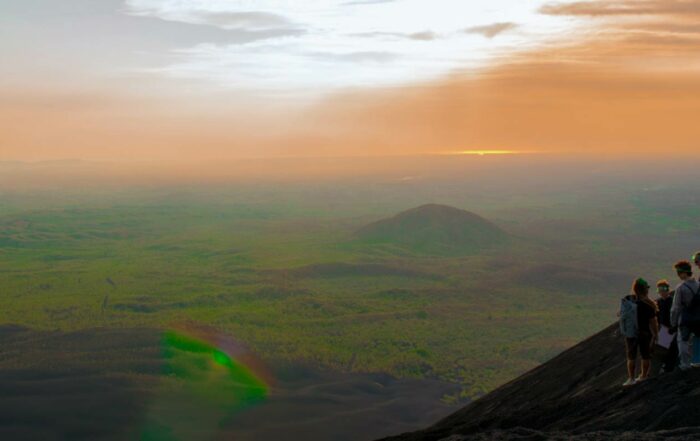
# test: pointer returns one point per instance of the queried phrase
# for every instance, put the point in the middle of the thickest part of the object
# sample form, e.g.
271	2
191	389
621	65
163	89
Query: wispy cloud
627	81
659	34
255	21
622	7
423	36
366	2
214	14
419	36
408	40
492	30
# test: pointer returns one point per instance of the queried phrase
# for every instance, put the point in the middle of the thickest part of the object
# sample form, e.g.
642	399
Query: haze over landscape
339	220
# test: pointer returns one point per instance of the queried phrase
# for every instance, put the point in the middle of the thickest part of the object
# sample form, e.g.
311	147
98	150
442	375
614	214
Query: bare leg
646	367
631	368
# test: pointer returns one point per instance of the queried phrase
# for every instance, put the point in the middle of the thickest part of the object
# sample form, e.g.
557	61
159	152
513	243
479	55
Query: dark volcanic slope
434	229
578	395
107	384
77	386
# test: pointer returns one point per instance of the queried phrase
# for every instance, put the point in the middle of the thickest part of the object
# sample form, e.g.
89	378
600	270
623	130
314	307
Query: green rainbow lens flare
207	381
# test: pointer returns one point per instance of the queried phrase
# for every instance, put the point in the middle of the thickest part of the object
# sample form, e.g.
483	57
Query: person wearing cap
664	303
647	332
682	311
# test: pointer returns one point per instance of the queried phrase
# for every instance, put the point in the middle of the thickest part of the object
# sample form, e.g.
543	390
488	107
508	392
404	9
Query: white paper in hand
665	337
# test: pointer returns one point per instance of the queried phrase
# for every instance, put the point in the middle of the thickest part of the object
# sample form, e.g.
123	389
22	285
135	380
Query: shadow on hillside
115	384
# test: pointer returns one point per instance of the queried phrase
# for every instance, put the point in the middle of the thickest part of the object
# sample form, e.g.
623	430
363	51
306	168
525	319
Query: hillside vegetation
290	278
435	229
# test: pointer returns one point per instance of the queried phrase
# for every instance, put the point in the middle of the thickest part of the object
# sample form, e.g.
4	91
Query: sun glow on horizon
489	153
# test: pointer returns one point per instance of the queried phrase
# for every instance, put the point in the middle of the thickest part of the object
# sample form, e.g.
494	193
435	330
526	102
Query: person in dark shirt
664	303
647	334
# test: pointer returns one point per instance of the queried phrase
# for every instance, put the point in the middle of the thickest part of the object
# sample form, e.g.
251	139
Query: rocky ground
578	395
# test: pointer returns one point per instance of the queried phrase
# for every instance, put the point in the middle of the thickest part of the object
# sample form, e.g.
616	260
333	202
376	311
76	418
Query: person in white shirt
685	311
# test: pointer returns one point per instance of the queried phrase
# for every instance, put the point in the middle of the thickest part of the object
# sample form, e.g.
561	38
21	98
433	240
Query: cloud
668	27
492	30
408	40
202	13
418	36
422	36
623	7
252	21
367	2
356	57
628	88
629	84
661	34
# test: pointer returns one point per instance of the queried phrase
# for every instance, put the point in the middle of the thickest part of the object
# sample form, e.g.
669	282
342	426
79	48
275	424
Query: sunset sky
184	80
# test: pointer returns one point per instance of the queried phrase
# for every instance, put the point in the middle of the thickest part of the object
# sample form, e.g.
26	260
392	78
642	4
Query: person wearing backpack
639	325
685	311
664	303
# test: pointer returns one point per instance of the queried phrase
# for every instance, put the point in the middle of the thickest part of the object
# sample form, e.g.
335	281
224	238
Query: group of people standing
671	321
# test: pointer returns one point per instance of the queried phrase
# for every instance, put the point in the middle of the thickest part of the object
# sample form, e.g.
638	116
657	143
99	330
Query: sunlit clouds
192	81
326	45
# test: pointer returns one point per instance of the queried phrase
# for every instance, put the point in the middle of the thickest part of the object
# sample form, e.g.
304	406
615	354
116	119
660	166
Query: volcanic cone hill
578	396
434	229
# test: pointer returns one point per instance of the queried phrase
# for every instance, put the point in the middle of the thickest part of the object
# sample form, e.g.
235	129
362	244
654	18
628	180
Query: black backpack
691	313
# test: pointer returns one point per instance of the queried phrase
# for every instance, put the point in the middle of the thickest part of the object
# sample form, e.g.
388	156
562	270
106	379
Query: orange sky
627	85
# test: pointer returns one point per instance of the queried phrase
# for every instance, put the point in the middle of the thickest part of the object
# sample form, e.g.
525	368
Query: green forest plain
278	267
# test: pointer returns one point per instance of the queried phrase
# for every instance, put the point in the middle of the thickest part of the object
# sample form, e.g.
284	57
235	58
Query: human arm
676	308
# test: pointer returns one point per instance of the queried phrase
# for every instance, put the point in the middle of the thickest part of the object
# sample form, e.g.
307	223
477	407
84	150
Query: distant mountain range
434	229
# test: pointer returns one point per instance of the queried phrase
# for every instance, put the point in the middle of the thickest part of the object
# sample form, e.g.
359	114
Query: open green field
280	270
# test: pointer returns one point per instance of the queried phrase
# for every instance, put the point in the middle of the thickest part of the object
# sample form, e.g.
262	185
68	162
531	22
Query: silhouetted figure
664	303
638	311
695	361
685	312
